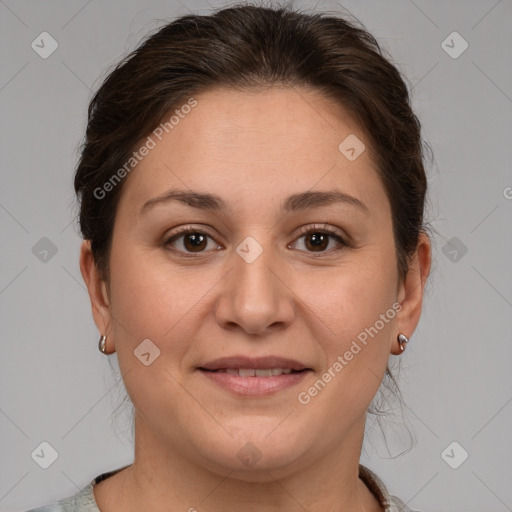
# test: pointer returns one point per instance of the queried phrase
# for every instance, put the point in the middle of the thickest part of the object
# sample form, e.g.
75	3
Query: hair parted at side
250	47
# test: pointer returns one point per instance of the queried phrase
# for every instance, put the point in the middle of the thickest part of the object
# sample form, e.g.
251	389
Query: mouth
254	376
255	372
255	382
254	366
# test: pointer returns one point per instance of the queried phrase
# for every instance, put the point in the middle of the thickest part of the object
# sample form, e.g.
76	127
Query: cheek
351	297
154	299
353	324
151	303
146	301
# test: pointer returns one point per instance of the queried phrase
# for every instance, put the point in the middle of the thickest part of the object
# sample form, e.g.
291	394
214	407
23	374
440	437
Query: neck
165	478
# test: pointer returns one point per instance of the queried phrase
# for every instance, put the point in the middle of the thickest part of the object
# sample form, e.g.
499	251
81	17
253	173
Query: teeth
251	372
265	373
246	372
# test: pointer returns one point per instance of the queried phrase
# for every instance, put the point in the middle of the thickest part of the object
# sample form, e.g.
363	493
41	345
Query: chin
254	454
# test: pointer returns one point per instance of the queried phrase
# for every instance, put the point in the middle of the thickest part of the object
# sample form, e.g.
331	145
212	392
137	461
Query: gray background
456	379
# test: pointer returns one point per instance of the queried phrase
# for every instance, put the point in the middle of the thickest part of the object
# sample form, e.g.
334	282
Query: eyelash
316	229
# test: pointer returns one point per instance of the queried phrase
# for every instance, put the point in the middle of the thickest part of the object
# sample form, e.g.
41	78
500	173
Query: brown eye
194	242
189	240
319	241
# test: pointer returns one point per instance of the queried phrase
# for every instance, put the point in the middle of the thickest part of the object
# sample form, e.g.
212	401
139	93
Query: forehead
260	145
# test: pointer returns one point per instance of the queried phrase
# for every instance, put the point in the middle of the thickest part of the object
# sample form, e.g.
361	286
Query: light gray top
83	500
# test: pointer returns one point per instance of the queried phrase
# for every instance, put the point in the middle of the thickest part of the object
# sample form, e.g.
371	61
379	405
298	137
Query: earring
402	340
102	344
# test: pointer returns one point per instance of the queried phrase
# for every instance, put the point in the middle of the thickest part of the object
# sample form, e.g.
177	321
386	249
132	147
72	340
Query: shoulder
388	502
82	501
397	505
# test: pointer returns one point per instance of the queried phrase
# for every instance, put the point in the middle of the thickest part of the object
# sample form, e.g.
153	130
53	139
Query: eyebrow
295	202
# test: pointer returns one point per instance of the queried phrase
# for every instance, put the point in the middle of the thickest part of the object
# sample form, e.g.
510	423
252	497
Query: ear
98	295
410	292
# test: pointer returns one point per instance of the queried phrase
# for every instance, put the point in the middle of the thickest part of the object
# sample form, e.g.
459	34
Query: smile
253	372
255	382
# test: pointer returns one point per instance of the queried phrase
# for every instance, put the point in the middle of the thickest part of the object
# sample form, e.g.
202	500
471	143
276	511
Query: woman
252	192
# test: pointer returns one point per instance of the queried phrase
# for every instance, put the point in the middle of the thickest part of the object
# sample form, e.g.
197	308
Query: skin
253	149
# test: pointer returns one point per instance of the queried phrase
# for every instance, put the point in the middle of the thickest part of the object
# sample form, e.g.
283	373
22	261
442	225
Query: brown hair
252	47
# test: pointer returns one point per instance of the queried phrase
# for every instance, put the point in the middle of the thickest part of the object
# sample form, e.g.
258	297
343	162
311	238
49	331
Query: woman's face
262	274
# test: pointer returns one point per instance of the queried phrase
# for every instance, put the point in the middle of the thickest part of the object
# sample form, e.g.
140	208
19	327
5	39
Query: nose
255	295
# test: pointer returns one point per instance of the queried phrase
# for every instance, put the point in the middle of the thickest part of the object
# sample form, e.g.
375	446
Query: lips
253	372
255	377
254	367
